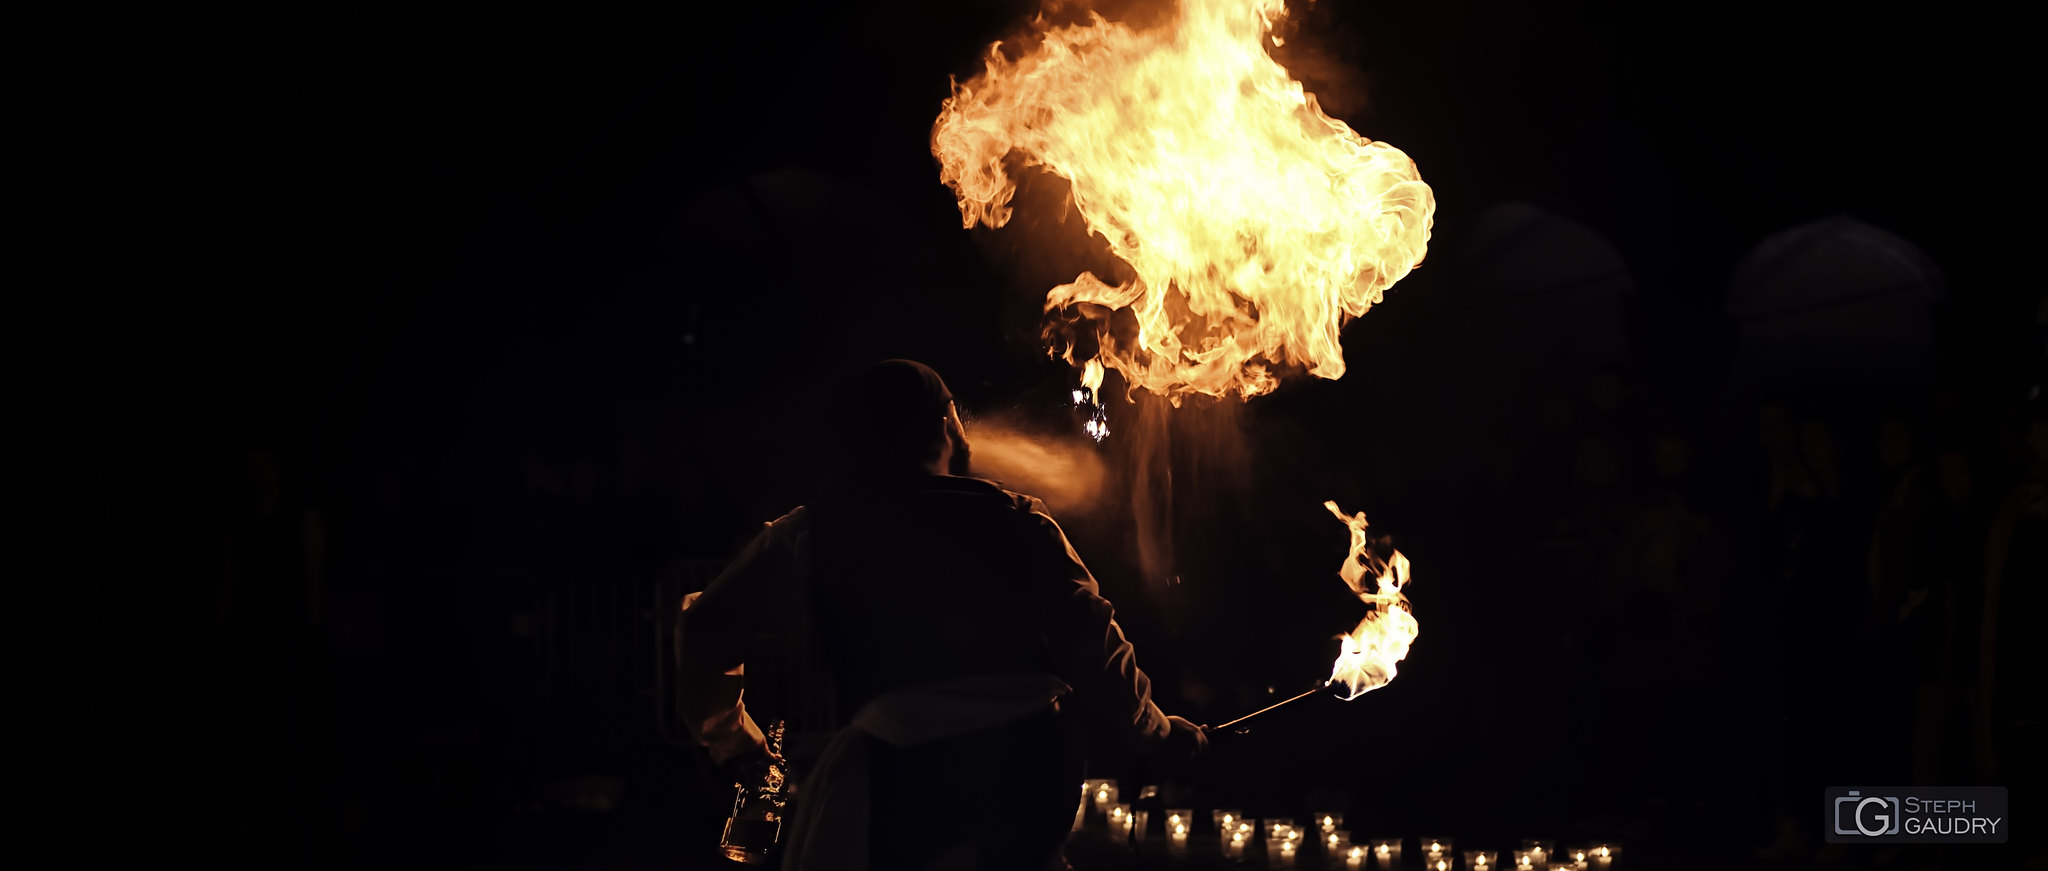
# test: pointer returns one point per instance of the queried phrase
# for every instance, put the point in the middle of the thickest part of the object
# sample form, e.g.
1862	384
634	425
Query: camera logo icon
1872	816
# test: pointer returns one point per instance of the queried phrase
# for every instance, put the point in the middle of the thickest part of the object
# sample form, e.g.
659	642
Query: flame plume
1255	224
1382	638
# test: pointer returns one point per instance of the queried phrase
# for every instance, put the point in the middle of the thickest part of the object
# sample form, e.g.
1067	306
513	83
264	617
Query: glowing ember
1381	640
1254	224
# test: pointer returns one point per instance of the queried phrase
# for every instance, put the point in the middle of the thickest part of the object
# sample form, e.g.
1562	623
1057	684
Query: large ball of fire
1255	224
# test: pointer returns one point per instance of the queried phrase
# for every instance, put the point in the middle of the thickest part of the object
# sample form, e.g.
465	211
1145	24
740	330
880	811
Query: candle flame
1254	225
1370	652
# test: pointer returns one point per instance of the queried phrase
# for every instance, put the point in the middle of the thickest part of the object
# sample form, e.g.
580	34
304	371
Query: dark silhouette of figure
2012	712
270	670
1799	559
940	625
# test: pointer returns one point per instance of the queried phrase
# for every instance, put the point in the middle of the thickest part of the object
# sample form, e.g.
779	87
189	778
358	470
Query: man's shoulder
994	493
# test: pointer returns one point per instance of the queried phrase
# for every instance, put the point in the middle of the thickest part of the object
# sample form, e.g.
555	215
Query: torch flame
1370	651
1255	225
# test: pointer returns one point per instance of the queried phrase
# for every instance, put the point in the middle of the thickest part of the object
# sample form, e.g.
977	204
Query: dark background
387	366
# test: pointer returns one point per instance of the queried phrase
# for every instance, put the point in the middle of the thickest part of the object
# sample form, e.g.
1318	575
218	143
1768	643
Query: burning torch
1368	658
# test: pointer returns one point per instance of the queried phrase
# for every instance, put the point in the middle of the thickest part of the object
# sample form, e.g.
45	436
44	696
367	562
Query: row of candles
1284	839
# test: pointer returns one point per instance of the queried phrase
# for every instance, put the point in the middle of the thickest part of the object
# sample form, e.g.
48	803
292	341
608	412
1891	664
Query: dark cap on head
900	389
888	415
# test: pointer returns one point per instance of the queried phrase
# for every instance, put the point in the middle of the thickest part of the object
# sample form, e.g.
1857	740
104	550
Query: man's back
944	578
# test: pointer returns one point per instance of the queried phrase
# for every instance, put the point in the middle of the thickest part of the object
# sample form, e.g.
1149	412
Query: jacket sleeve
1098	662
718	627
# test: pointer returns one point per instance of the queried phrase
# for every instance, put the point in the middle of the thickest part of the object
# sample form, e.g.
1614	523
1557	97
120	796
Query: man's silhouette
953	626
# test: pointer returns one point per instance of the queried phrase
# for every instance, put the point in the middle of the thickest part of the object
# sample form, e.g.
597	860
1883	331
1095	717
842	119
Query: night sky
463	273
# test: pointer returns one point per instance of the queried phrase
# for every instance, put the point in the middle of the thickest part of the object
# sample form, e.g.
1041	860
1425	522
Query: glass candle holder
1336	843
1121	820
1386	852
1226	822
1180	816
1577	857
1537	853
1103	792
1233	844
1433	849
1140	823
1442	862
1480	860
1280	851
1355	856
1329	822
1177	835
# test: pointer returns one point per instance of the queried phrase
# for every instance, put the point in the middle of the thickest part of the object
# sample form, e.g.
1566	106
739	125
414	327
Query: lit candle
1479	860
1604	855
1329	822
1103	790
1235	848
1226	822
1387	853
1177	837
1280	851
1355	858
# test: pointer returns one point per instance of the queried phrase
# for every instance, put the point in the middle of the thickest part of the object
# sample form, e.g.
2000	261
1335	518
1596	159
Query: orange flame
1255	225
1370	651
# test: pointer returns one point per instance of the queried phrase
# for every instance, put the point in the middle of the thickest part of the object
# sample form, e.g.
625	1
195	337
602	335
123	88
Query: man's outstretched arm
1100	663
718	627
